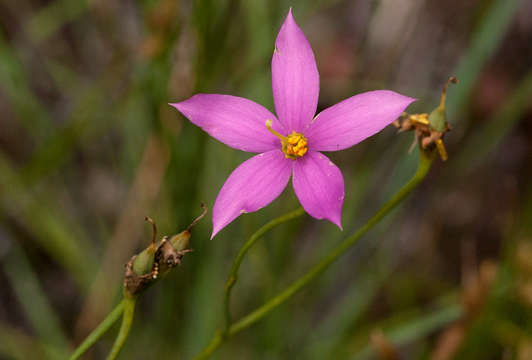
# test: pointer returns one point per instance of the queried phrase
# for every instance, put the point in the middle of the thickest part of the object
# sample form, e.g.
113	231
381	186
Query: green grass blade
484	41
32	297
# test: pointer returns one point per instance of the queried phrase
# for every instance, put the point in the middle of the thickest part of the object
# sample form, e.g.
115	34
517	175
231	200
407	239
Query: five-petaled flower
291	143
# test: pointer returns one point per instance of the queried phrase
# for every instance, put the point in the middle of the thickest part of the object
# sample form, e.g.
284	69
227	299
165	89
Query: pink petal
319	186
250	187
295	78
353	120
235	121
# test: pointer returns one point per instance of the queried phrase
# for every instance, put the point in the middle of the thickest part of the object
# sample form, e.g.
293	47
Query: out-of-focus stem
176	247
233	276
127	320
98	331
425	161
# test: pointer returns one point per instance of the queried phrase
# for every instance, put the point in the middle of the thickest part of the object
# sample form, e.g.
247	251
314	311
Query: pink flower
290	144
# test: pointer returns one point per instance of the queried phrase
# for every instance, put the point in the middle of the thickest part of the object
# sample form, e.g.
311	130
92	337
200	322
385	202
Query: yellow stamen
419	118
269	124
294	145
441	149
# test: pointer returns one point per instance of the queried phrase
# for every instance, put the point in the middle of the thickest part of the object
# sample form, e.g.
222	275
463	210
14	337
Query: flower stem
127	320
425	162
233	276
176	247
99	331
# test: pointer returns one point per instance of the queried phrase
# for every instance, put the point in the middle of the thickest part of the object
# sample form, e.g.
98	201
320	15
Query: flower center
294	145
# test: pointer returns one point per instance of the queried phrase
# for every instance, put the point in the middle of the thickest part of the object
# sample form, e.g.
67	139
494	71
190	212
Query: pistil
269	124
294	145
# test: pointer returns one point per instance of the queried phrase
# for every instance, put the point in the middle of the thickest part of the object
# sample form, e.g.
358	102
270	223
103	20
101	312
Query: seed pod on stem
144	269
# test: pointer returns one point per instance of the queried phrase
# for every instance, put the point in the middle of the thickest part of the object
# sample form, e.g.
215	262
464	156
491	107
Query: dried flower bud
429	129
438	117
180	241
143	263
146	267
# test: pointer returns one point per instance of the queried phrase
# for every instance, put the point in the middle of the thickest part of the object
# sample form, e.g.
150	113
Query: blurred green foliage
89	146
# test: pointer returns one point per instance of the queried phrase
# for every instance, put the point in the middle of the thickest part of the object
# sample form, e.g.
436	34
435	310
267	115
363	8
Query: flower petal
250	187
353	120
295	78
235	121
319	186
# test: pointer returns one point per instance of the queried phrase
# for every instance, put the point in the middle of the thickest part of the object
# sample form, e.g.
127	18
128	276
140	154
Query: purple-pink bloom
291	143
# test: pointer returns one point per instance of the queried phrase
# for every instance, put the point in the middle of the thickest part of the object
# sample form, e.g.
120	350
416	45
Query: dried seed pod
430	128
438	117
156	260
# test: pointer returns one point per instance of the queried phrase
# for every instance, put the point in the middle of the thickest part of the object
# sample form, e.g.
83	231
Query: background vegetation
89	146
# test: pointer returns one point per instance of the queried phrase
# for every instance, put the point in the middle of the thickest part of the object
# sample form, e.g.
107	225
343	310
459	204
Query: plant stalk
425	162
127	320
233	276
97	333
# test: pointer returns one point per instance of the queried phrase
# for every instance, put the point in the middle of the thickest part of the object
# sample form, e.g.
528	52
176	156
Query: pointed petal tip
290	13
216	228
319	186
406	100
295	77
288	23
336	219
391	95
338	223
290	20
354	119
250	187
235	121
178	106
410	100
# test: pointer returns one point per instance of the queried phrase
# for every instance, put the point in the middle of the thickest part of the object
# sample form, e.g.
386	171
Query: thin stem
233	276
425	162
127	320
99	331
127	305
215	343
338	251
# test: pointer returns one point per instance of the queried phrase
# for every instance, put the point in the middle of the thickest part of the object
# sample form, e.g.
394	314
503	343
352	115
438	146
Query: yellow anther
294	145
441	149
419	118
294	138
302	152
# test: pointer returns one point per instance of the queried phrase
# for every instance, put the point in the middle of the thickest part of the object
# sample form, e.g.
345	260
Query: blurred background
89	146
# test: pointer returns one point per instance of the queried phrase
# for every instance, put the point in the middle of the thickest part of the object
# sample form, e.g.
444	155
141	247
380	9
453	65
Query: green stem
99	331
233	276
425	162
127	320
